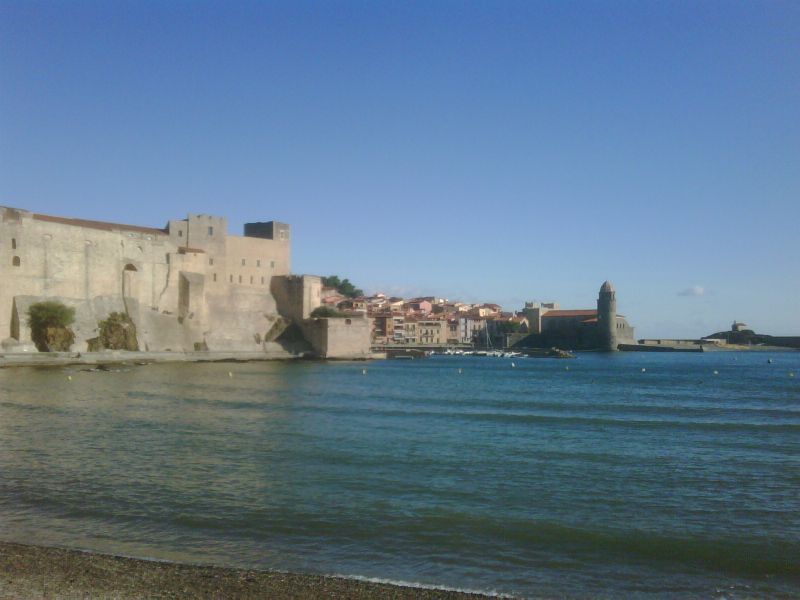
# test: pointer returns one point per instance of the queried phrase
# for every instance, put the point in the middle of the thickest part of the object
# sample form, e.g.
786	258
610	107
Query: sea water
670	475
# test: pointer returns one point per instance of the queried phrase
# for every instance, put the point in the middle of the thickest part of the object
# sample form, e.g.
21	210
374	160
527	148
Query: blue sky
493	151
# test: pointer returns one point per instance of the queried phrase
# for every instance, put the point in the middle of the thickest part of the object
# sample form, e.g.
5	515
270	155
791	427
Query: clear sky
493	151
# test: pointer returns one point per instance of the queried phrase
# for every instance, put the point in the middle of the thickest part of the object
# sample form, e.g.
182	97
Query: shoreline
121	357
28	571
118	357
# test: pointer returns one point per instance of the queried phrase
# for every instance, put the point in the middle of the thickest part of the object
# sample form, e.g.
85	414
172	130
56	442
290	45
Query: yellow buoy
643	369
716	372
791	374
513	365
459	371
363	371
230	374
69	377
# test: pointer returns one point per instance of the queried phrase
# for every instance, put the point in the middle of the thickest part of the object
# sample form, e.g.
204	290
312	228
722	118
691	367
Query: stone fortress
582	329
187	287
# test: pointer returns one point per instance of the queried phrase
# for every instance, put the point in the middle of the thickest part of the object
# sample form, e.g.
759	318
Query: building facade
186	287
582	329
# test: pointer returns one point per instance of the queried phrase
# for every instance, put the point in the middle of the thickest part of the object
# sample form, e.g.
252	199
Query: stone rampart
187	287
340	338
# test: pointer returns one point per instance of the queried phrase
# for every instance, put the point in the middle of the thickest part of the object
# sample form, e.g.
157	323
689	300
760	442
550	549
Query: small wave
741	557
422	586
528	417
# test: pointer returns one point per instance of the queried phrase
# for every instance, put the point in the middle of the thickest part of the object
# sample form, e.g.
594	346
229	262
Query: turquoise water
573	478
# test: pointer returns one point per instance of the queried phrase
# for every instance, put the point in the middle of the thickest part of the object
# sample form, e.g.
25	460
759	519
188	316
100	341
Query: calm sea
604	476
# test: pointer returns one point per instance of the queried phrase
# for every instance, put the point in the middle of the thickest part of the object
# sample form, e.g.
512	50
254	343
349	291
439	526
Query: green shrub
49	322
118	332
343	286
326	312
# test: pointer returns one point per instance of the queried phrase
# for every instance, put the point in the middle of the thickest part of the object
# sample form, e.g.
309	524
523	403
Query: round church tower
607	317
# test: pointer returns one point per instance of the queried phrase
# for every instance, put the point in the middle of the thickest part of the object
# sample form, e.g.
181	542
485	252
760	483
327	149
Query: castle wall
50	260
254	261
341	338
186	287
297	296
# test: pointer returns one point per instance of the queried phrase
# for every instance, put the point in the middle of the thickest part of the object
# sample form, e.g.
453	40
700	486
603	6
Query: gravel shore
40	572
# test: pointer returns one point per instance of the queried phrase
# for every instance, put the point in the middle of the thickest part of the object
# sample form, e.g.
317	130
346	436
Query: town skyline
490	153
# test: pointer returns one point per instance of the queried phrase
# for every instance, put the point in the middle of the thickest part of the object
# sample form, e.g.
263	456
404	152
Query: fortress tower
607	317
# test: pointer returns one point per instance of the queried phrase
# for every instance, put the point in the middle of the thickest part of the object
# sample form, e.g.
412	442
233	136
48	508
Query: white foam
423	586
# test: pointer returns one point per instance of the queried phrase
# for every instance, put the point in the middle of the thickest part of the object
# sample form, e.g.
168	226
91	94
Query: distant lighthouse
607	317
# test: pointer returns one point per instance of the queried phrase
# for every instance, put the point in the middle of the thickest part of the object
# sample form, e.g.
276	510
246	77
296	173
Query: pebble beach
49	573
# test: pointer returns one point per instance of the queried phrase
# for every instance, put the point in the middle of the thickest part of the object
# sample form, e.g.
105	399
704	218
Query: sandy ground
51	573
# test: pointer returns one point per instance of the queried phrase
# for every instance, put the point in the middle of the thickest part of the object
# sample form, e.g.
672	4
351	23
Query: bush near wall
118	332
326	312
49	322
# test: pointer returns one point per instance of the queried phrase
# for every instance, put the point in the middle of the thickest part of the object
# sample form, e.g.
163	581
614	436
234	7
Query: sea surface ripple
648	475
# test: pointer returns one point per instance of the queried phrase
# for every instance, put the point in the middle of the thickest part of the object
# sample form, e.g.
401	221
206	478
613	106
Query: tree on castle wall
326	312
49	322
343	286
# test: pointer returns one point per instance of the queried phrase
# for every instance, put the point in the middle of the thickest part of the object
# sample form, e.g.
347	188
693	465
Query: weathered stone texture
187	286
343	338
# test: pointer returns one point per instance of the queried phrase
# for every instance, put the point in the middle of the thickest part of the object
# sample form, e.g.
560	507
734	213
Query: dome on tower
607	287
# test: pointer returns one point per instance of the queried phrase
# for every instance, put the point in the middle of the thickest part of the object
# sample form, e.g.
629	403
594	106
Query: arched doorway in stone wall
130	281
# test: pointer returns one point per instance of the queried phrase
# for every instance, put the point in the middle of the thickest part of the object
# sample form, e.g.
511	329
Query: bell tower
607	317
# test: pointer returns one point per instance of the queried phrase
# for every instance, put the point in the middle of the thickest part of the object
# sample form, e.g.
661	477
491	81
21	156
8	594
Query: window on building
240	279
231	278
13	243
15	261
210	231
258	262
282	234
215	276
210	261
180	232
262	281
251	280
166	258
244	262
272	264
